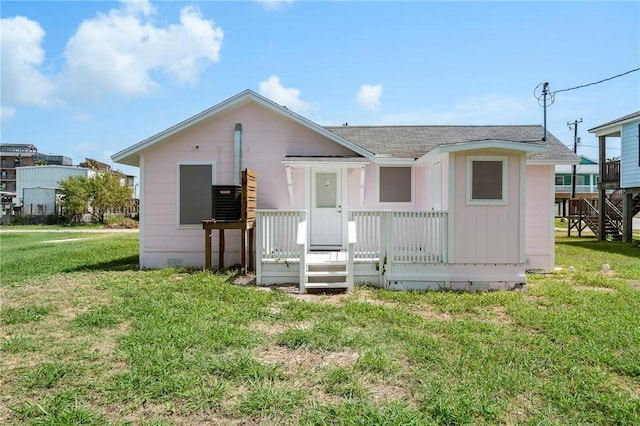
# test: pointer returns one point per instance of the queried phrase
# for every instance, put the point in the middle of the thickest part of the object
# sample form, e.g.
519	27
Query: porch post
627	217
602	144
258	247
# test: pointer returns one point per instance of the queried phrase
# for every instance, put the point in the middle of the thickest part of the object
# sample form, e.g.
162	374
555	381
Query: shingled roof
416	141
617	120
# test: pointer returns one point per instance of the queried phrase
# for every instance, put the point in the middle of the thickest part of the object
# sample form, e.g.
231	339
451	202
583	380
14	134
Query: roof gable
612	127
131	155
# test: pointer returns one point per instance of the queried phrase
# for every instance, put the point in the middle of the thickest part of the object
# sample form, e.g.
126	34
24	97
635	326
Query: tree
75	196
96	194
107	192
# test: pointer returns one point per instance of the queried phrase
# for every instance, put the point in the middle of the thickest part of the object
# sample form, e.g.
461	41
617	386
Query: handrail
301	240
586	205
611	206
352	238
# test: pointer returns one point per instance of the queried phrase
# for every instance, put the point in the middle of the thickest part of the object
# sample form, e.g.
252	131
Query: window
559	180
395	184
487	180
194	192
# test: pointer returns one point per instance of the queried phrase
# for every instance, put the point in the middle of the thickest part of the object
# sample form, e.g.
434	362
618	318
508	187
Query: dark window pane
395	184
486	180
195	193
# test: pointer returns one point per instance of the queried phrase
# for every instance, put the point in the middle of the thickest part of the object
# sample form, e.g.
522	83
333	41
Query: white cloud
22	55
289	97
117	52
135	7
486	109
369	97
114	53
274	5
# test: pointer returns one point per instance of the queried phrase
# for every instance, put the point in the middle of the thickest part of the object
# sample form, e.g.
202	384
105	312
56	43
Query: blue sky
88	79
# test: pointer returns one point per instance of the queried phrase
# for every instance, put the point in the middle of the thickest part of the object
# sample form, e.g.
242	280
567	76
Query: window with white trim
194	192
487	180
395	184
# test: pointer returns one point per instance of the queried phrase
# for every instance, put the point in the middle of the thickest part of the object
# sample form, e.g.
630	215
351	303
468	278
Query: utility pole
545	93
575	151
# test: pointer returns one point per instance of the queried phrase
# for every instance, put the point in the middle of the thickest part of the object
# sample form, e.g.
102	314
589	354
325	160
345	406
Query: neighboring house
13	156
620	178
464	207
586	185
99	166
37	187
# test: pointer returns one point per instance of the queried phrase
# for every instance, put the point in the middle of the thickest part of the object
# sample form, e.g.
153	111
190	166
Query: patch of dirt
302	359
248	280
108	339
64	240
341	359
628	385
522	407
268	328
634	283
430	313
125	224
362	296
380	393
498	315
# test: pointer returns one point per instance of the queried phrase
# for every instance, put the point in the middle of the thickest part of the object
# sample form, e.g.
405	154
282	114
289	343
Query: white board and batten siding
630	156
487	233
539	218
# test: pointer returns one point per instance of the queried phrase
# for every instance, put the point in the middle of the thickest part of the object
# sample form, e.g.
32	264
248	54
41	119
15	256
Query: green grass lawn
89	339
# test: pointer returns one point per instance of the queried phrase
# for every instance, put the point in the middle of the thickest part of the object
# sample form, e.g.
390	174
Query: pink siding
487	234
267	138
540	250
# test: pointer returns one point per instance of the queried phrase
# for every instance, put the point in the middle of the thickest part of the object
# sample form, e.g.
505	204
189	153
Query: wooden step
327	273
326	267
326	285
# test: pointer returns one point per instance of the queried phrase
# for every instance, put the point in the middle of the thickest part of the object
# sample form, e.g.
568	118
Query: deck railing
580	189
403	236
277	232
611	172
370	231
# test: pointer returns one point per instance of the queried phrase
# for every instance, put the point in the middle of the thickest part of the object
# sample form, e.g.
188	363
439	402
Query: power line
596	82
548	97
551	96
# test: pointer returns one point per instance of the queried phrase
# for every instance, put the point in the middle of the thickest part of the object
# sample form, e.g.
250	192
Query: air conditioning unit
226	202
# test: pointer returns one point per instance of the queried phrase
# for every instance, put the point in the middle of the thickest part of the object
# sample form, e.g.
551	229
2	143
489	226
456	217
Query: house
463	207
619	186
586	183
13	156
37	187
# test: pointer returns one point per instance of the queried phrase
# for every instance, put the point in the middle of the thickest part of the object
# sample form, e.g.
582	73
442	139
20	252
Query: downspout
237	153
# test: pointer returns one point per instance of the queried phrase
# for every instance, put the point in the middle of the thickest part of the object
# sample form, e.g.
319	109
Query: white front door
326	209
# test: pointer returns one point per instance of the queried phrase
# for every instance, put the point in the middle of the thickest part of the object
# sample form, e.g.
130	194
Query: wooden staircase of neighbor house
584	214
